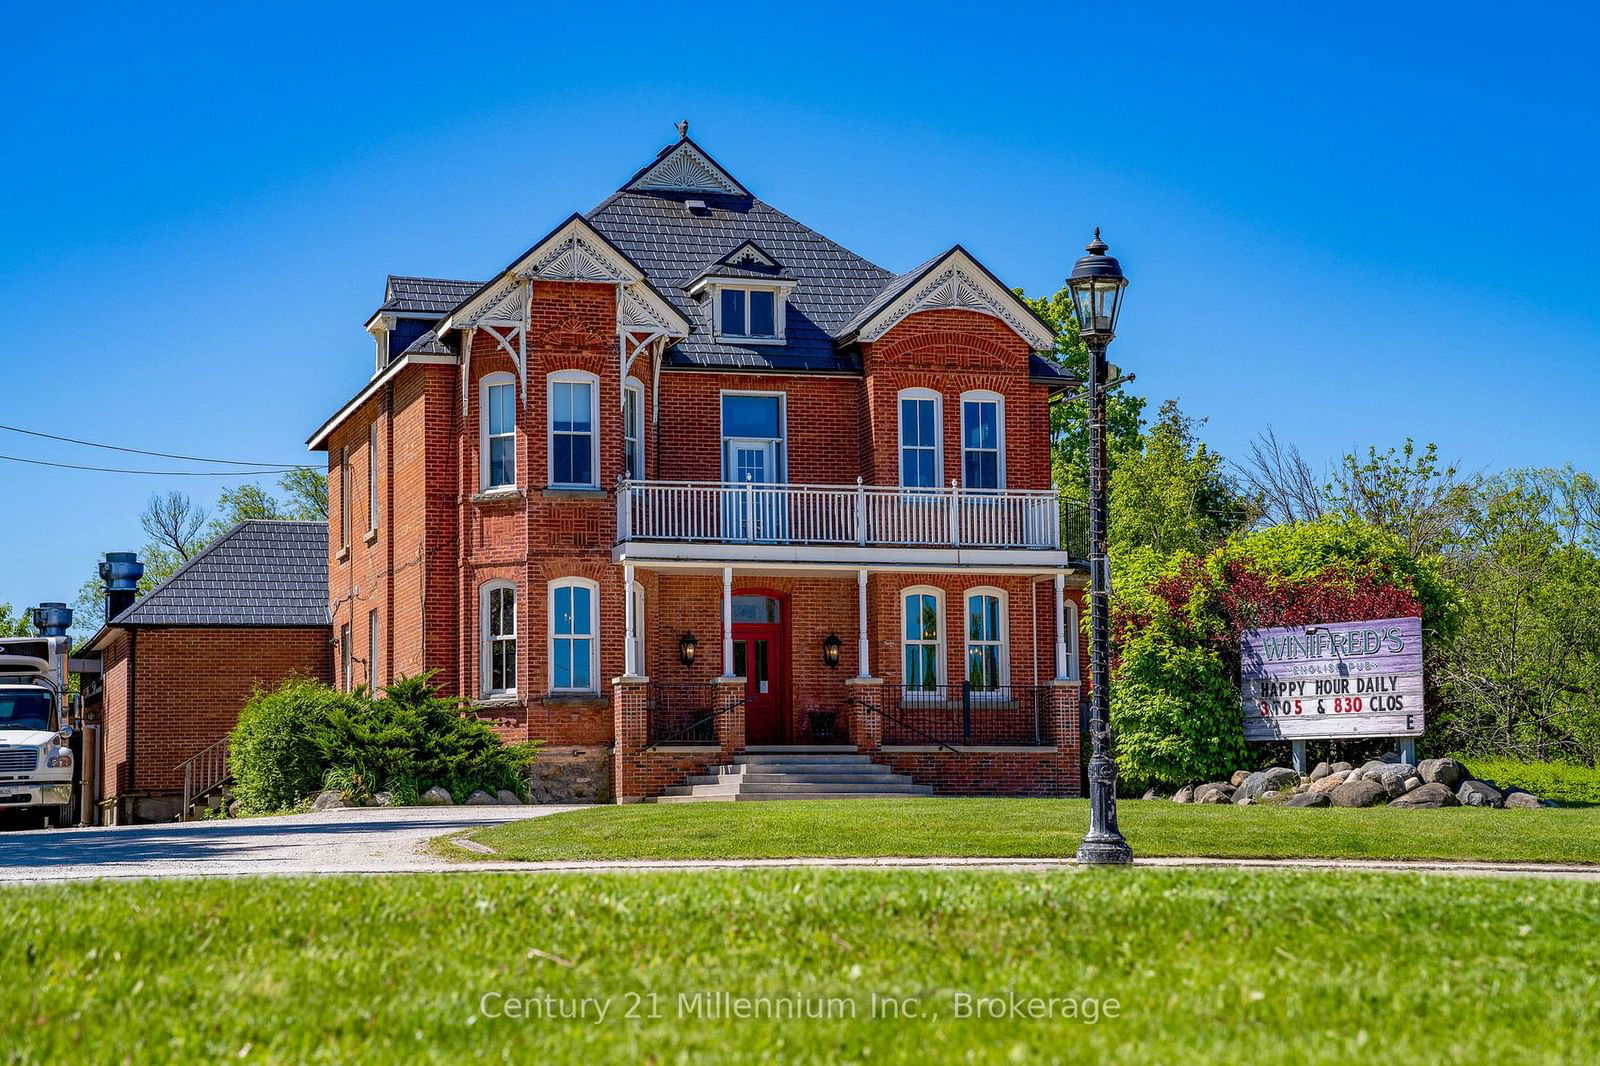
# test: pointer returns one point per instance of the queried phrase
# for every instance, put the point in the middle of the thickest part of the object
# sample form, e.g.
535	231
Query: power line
143	451
161	473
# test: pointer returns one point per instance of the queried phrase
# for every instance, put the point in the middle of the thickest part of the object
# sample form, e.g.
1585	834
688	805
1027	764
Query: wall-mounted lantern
686	646
830	651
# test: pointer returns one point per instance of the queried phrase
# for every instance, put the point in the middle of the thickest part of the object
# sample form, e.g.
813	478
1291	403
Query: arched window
574	434
574	635
922	637
983	440
633	429
921	439
1070	614
985	623
497	629
497	431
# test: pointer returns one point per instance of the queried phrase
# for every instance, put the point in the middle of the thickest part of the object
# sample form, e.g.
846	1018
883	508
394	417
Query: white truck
36	761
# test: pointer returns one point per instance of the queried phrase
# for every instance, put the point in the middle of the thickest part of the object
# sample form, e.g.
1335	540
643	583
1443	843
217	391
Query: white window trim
344	657
939	678
486	638
780	303
594	631
1005	630
633	387
1070	624
485	383
782	440
372	478
938	432
372	649
578	377
986	396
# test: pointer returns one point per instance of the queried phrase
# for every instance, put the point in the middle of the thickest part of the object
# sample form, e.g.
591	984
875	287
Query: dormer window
749	313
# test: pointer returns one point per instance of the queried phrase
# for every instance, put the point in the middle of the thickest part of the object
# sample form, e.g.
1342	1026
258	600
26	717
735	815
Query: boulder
1238	778
480	798
1214	792
1432	794
1341	768
1412	783
1321	770
1184	795
1310	799
1277	779
1359	792
1516	798
1329	783
508	798
1153	794
1444	771
437	797
234	808
383	799
329	800
1385	768
1393	785
1479	794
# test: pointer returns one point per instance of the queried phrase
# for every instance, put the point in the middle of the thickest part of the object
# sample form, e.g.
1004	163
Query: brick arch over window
950	340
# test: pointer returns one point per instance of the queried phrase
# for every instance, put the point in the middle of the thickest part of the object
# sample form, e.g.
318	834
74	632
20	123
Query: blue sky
1353	225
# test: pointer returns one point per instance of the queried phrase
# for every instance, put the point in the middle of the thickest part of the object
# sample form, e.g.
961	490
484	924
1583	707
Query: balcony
726	522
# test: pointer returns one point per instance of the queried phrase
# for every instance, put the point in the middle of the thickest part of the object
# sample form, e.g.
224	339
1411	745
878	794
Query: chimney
121	572
52	619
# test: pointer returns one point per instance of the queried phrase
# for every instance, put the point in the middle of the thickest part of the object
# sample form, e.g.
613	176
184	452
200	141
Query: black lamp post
1097	283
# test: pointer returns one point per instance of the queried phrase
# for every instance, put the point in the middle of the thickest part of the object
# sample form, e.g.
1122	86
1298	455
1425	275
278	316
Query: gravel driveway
366	840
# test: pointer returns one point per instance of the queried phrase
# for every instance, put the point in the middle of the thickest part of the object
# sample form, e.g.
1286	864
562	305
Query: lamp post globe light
1097	282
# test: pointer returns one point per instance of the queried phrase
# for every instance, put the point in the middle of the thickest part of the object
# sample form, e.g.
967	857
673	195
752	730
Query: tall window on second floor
344	497
920	458
497	434
574	415
633	430
498	633
982	440
574	611
372	476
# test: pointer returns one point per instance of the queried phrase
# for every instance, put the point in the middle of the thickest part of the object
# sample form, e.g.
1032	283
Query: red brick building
687	480
178	663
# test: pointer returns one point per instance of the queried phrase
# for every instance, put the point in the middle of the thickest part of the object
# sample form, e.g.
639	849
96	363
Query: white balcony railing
860	515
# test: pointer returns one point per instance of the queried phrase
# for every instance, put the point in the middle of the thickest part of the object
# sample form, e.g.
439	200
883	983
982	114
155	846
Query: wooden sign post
1331	682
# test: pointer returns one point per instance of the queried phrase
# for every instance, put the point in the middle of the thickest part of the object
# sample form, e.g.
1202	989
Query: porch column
630	665
727	621
1061	627
862	669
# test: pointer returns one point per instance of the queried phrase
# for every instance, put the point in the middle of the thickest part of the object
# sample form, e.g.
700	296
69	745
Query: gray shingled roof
259	573
433	296
672	246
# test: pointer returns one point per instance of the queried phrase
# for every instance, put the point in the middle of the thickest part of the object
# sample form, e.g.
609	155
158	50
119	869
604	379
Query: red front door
759	656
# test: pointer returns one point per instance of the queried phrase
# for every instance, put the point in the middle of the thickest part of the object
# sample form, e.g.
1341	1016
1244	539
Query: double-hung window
923	660
986	626
919	438
751	313
345	655
372	477
574	604
574	413
498	629
633	430
372	649
983	441
498	436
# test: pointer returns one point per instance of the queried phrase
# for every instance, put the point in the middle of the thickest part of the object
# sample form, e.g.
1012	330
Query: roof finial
1096	246
683	129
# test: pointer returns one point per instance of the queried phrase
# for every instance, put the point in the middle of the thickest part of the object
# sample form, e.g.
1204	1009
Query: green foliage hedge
1562	782
304	736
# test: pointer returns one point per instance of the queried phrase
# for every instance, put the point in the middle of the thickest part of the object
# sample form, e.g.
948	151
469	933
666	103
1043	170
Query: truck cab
36	761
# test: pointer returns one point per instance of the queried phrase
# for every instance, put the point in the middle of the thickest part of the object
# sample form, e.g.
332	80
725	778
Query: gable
953	281
685	167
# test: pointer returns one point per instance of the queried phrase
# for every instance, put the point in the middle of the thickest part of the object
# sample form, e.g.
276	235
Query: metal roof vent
121	572
697	207
52	619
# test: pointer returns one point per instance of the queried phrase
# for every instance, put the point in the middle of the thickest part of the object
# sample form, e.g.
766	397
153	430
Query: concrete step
803	768
800	749
824	776
788	787
760	797
801	758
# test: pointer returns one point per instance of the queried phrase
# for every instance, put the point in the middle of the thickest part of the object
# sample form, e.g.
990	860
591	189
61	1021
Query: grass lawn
1008	828
1204	966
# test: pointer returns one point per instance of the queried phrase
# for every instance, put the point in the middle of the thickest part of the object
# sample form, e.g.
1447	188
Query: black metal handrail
876	707
966	714
686	713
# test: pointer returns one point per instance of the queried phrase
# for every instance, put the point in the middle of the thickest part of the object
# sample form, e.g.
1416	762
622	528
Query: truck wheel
58	817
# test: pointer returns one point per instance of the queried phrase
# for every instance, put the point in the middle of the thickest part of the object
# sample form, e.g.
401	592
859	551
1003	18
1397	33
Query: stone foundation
571	775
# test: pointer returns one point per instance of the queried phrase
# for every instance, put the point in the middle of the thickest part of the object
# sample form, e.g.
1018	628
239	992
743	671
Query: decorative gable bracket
959	282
